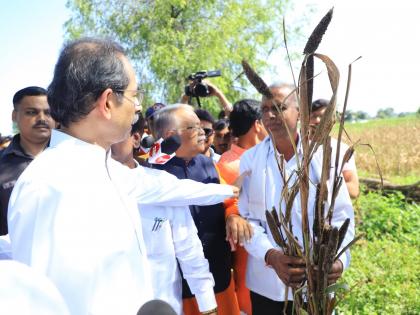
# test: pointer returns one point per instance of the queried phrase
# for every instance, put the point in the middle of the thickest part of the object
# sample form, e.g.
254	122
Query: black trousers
262	305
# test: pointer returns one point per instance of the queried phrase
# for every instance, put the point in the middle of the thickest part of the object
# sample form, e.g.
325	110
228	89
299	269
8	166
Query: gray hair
282	85
85	68
164	119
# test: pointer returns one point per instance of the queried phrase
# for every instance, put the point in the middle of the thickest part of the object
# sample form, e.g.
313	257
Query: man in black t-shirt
31	113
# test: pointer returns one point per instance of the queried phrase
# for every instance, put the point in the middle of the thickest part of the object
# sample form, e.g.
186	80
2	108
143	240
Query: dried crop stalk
320	250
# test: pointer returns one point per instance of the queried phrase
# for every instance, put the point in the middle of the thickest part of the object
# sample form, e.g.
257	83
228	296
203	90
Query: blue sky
384	32
31	34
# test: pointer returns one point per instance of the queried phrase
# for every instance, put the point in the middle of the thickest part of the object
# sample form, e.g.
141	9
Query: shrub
383	279
384	273
389	217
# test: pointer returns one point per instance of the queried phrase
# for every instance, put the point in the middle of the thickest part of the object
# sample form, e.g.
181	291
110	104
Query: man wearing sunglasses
206	122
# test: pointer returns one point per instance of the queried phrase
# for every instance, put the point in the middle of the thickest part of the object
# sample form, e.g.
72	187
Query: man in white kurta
23	291
171	238
73	213
172	243
262	190
269	270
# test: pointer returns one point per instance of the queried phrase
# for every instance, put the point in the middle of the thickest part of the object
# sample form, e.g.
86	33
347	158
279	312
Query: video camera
197	88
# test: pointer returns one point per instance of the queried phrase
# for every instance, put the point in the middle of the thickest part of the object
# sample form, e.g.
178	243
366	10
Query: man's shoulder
252	153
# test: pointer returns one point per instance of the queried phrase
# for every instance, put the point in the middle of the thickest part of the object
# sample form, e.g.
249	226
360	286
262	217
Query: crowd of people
94	227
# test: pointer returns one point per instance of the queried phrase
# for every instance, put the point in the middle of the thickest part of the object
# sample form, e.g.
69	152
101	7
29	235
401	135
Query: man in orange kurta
245	124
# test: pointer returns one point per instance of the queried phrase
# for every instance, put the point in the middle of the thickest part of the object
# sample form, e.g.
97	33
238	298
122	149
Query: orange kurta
227	303
229	169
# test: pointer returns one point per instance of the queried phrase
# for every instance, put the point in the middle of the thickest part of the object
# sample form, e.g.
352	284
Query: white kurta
25	292
261	191
73	216
171	237
348	166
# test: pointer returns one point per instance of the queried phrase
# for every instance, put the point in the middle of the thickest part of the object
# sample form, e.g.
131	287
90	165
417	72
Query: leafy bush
389	217
383	279
384	273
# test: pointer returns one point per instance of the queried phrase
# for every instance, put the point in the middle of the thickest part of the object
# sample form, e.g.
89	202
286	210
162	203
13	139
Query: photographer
213	91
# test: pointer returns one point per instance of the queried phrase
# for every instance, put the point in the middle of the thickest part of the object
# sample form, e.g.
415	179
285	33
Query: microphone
147	142
156	307
164	150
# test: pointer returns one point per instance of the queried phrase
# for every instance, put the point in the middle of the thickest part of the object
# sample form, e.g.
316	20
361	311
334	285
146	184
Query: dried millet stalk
256	80
319	31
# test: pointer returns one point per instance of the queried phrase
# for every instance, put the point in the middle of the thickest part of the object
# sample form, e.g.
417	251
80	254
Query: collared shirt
13	161
229	163
73	216
171	237
261	191
213	155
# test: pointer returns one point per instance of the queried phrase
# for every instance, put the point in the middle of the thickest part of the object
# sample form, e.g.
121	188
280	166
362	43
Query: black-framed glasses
138	96
208	132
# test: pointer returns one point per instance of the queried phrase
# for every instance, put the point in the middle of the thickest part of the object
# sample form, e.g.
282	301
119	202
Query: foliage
384	270
355	115
383	279
385	113
389	217
170	39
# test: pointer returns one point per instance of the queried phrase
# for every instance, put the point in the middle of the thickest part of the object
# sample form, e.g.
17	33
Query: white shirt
5	247
73	216
261	191
25	292
348	166
171	237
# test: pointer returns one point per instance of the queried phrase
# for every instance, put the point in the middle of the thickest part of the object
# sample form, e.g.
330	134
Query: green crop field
384	273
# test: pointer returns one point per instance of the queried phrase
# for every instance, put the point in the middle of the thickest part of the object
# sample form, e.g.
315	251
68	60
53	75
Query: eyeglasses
208	132
139	96
191	129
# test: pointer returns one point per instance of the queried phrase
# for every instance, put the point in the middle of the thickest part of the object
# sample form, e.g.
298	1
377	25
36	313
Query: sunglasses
208	132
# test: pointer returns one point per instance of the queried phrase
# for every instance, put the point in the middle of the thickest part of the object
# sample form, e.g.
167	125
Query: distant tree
385	113
361	115
170	39
349	115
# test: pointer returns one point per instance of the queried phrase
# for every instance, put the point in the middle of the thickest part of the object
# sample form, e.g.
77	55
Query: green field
384	274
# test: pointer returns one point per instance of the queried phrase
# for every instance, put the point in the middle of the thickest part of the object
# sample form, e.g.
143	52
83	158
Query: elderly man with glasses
188	163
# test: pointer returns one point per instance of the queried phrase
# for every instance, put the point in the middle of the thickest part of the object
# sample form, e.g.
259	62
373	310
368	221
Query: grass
396	143
384	272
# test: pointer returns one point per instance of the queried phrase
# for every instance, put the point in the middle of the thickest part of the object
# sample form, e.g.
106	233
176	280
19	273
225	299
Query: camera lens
201	89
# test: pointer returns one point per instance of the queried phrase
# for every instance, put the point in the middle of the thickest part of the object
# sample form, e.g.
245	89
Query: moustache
41	124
